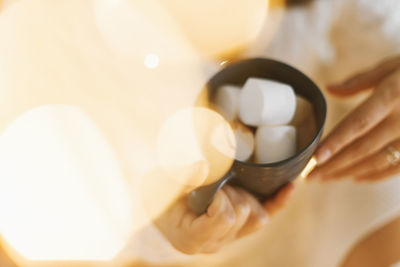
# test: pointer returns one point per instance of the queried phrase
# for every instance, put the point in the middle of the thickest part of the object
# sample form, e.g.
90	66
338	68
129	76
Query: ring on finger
392	155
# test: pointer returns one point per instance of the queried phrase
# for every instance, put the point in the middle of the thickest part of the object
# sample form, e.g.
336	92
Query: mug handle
200	198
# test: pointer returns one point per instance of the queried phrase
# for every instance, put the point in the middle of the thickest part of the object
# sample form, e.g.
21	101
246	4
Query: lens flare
192	136
117	65
151	61
62	192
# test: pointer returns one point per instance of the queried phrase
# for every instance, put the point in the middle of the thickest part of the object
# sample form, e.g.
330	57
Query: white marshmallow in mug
266	102
226	101
244	141
275	143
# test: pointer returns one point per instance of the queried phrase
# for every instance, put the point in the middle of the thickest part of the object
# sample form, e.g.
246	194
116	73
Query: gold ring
392	155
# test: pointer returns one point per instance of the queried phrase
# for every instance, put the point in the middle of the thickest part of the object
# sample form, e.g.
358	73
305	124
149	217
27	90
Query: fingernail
323	156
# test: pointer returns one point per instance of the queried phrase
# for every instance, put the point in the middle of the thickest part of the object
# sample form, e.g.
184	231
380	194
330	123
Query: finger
217	226
280	200
258	215
242	210
390	172
360	121
375	163
170	223
187	218
173	216
365	80
217	221
370	143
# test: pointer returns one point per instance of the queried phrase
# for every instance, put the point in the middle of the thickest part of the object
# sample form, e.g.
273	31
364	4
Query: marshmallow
275	143
266	102
304	110
244	141
226	101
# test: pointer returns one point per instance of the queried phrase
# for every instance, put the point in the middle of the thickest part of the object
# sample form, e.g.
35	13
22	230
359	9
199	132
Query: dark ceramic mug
263	180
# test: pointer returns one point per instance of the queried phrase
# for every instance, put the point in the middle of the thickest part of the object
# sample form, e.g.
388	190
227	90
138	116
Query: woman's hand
366	144
232	214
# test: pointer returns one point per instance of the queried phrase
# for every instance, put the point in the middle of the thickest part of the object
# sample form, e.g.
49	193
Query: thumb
365	80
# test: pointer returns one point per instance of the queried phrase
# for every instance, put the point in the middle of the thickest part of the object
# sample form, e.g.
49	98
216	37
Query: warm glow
62	193
196	146
139	29
78	181
151	61
219	27
192	136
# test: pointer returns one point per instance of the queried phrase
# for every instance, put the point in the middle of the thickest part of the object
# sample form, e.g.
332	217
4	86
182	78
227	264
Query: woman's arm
379	249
